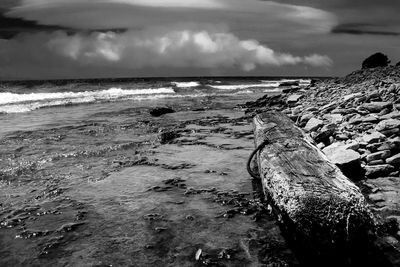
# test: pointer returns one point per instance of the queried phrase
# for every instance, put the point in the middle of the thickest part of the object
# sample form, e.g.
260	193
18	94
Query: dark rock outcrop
157	112
376	60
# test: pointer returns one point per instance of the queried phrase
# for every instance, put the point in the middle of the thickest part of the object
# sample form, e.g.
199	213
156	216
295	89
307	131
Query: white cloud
188	46
168	47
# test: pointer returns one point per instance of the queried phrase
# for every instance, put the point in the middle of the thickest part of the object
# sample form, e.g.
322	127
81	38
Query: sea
89	177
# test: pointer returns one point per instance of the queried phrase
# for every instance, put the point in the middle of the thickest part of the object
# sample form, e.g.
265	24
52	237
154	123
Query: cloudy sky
42	39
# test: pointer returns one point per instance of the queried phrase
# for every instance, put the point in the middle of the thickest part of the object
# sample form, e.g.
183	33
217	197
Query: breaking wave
186	84
268	84
16	103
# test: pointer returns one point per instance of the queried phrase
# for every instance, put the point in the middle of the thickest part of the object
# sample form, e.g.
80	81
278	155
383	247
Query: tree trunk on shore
320	207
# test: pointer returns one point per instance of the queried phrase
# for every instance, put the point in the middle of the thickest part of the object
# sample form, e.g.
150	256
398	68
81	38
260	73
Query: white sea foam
186	84
277	83
240	86
112	93
17	103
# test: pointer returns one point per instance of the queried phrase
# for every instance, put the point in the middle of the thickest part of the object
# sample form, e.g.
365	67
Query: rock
311	109
289	83
374	147
293	99
391	115
370	119
338	154
325	132
374	95
394	160
372	138
377	197
378	170
320	145
391	132
376	107
333	118
388	124
351	96
297	110
306	117
353	145
328	107
157	112
166	136
384	111
313	124
376	162
385	146
342	137
357	119
395	142
392	88
344	111
378	155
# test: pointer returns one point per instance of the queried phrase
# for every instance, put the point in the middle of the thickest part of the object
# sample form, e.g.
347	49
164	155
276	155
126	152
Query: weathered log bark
311	196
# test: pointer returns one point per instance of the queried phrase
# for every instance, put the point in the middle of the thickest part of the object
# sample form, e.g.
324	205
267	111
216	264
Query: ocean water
88	177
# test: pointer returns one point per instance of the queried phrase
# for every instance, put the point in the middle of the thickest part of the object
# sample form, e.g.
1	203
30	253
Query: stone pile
355	121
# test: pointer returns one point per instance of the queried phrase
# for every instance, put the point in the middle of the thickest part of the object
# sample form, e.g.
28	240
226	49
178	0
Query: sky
51	39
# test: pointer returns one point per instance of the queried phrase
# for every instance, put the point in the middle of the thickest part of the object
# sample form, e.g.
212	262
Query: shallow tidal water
107	184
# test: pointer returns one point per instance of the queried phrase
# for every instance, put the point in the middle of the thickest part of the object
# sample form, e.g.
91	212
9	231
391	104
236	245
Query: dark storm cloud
66	38
10	27
360	28
61	37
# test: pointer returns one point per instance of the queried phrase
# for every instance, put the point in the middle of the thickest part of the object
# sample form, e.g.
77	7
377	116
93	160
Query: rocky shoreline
355	121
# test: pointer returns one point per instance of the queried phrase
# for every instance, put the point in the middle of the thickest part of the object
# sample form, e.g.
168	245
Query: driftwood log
324	211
